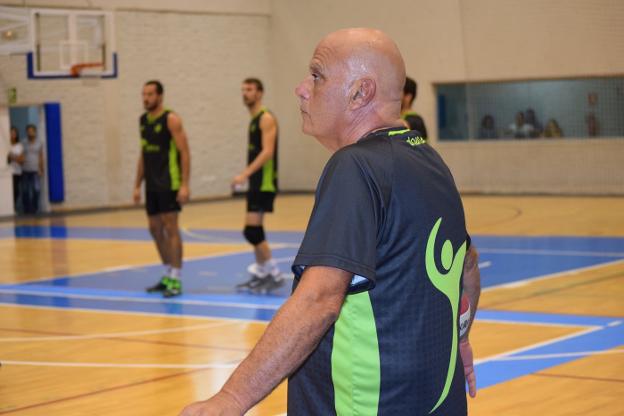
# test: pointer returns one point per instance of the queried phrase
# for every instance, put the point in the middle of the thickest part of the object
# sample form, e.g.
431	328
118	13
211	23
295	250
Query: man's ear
362	93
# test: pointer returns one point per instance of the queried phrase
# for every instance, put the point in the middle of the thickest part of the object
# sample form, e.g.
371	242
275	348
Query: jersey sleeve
343	228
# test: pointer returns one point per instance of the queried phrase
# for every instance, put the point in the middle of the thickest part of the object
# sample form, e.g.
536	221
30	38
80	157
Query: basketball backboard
60	43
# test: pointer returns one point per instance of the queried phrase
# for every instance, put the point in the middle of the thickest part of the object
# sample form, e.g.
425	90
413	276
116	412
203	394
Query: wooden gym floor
78	335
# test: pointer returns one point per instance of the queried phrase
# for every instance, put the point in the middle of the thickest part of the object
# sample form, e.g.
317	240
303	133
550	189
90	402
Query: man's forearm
289	339
472	281
185	158
139	174
257	163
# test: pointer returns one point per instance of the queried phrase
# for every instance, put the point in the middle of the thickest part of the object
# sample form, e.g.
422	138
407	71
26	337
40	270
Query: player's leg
157	231
265	274
174	246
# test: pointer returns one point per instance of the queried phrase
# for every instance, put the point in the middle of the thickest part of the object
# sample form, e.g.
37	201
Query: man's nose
301	91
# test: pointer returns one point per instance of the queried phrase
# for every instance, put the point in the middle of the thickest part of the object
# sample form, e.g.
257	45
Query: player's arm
472	289
288	340
174	122
136	195
268	127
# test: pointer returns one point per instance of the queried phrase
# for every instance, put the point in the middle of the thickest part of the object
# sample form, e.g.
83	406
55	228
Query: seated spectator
531	119
552	129
520	129
15	158
487	129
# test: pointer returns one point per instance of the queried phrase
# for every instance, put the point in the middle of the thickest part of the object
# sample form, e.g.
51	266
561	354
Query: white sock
175	273
167	269
270	267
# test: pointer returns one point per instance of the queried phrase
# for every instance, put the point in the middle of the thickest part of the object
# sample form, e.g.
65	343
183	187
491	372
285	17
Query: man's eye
316	77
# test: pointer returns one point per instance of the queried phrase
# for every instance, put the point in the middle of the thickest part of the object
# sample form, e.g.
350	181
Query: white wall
202	49
476	40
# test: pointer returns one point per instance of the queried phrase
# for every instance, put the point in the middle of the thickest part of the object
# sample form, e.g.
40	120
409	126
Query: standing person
16	159
411	118
261	174
165	164
32	171
372	324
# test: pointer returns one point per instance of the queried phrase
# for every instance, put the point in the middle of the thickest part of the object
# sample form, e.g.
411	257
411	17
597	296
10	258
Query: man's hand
218	405
239	180
136	195
465	350
183	194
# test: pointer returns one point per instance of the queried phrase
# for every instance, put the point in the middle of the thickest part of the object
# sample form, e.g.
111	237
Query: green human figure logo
448	284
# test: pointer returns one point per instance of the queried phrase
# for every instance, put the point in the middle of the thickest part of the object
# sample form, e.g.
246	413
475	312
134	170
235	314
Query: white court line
551	276
537	345
133	313
140	300
510	322
138	266
558	355
216	366
127	334
538	252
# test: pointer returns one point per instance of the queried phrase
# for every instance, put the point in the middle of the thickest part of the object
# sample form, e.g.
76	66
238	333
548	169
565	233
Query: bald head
373	54
355	86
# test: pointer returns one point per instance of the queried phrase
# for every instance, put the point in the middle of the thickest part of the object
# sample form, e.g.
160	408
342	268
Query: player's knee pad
254	234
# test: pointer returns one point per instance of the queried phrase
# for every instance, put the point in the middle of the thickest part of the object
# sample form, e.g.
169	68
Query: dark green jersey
265	178
161	158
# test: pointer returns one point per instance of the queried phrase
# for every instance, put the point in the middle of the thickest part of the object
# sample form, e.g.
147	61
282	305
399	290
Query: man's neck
255	109
156	111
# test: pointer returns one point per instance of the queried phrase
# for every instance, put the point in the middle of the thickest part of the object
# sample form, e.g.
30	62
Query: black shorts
260	201
161	202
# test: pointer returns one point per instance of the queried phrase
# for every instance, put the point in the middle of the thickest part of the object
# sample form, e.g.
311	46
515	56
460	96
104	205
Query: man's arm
174	123
289	339
136	195
268	126
41	166
472	289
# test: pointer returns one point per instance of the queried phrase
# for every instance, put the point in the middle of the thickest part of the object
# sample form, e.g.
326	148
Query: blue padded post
54	144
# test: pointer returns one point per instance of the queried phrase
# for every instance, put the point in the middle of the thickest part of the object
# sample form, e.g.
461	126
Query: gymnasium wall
476	40
202	49
201	57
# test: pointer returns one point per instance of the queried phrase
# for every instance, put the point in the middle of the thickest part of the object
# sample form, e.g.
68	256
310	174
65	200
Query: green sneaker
161	286
174	288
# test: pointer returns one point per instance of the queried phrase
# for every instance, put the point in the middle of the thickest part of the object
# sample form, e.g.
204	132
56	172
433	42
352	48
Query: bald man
372	324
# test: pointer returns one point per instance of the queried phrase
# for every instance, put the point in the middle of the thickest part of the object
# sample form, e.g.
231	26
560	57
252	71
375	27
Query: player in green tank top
412	120
164	164
261	176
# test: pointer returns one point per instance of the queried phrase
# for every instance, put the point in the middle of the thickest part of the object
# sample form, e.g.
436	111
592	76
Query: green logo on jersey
252	128
415	141
448	284
157	128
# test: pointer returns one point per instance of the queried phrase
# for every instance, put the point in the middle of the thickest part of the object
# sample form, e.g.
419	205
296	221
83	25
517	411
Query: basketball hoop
77	69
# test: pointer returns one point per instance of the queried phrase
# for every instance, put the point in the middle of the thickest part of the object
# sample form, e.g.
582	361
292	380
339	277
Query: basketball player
412	120
164	163
261	175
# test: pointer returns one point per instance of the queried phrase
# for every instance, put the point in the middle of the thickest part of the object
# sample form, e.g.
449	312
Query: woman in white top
16	158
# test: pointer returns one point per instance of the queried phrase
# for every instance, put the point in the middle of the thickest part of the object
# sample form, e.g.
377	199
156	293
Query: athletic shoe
161	286
270	283
251	284
174	288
